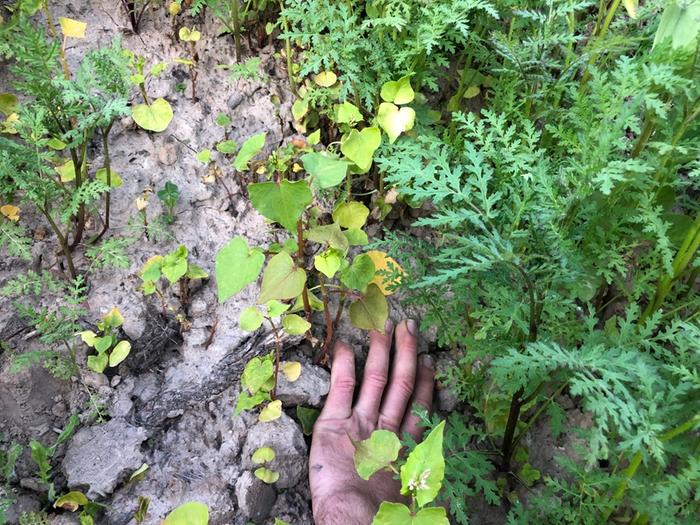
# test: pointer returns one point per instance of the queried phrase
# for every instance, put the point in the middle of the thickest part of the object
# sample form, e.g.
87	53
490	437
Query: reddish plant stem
278	356
300	263
327	316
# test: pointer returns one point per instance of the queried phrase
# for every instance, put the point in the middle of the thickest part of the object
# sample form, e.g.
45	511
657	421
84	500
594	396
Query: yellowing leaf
119	353
114	178
631	7
142	201
263	455
351	214
153	117
272	411
291	370
325	78
394	120
88	337
139	473
71	501
189	35
113	318
174	8
8	103
472	91
382	262
66	171
10	211
8	125
398	91
72	28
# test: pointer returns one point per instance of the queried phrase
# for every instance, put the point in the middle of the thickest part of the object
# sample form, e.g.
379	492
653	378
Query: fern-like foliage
555	214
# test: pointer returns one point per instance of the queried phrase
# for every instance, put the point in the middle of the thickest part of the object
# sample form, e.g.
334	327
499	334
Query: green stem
647	130
288	52
300	264
685	255
633	466
603	31
537	414
236	29
62	241
108	174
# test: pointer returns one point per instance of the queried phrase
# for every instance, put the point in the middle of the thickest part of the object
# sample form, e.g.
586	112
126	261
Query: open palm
338	494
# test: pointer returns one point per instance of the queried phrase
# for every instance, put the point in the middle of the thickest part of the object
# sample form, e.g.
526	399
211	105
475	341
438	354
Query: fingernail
412	327
427	361
388	326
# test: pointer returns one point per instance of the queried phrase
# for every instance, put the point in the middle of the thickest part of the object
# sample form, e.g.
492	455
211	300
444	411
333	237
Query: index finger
339	401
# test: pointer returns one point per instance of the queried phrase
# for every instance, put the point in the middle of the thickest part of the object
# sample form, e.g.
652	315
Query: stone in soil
308	390
284	436
100	457
255	498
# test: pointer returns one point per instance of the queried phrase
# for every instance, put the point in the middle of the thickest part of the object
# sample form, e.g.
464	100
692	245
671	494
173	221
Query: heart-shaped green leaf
356	237
359	146
395	120
328	262
272	411
263	455
250	149
359	274
283	203
295	325
102	344
115	179
204	156
376	452
327	169
399	514
256	373
227	146
251	319
246	401
424	469
151	268
351	214
371	311
329	233
398	91
281	279
267	475
346	113
276	308
119	353
153	117
236	267
175	264
97	363
190	513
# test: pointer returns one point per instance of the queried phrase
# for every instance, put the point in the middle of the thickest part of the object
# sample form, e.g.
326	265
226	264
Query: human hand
338	495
